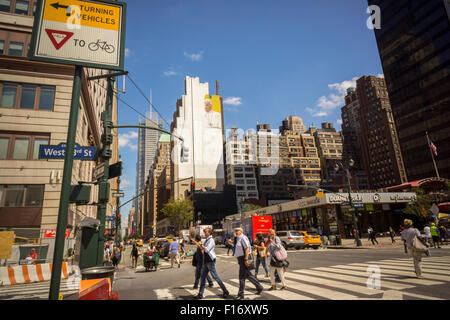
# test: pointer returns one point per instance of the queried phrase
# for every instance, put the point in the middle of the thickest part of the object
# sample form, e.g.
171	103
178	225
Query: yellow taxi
170	238
139	242
312	239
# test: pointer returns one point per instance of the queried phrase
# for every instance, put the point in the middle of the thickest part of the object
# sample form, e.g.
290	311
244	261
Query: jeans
244	274
210	267
261	260
198	273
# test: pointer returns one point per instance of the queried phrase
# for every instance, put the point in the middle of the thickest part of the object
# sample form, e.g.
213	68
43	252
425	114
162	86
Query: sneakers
273	288
283	288
267	275
226	295
259	291
211	285
198	297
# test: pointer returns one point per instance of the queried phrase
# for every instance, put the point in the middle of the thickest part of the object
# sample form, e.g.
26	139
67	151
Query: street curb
342	247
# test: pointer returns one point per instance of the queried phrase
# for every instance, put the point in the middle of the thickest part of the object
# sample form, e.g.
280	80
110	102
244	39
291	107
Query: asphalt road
398	280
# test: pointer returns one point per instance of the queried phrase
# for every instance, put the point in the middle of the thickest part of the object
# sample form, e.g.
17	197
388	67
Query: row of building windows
21	195
27	96
22	7
14	146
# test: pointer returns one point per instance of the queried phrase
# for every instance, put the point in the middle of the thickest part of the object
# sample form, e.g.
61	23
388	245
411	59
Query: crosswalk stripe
280	294
207	294
352	271
164	294
425	268
321	292
336	284
430	263
362	266
361	280
233	287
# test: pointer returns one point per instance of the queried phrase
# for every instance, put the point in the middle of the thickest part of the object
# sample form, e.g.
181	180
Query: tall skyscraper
414	46
147	148
381	150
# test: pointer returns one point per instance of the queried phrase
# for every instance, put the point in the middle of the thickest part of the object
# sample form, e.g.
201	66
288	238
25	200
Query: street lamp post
355	222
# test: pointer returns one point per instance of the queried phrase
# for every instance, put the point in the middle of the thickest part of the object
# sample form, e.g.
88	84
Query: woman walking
275	244
199	259
134	255
408	236
260	254
392	234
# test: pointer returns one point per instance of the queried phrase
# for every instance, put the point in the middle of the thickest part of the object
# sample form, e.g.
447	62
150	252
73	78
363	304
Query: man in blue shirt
209	264
174	254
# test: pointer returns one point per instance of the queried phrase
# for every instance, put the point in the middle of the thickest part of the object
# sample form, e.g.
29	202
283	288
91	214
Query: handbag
251	263
194	260
274	262
418	245
281	253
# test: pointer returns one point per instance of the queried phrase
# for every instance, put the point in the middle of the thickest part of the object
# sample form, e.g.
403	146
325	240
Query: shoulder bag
418	245
280	253
250	260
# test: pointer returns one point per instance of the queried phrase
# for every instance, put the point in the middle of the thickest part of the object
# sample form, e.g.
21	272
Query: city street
313	275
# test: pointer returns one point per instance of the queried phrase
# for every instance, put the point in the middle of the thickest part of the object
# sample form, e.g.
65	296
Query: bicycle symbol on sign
94	46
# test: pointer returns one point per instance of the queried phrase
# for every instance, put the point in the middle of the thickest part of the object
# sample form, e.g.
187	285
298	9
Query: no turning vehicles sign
85	33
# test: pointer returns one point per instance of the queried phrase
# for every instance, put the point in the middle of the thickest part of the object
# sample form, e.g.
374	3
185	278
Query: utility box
80	194
86	244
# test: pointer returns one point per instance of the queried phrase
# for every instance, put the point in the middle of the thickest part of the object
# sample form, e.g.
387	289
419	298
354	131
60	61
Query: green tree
250	207
421	205
179	212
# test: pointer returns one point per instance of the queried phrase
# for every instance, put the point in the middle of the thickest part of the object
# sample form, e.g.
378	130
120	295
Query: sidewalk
383	243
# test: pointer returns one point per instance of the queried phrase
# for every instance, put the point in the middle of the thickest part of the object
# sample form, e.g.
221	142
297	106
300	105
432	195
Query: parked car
170	238
312	239
291	239
162	246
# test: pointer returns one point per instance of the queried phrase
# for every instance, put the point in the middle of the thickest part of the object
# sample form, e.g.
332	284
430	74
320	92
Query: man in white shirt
213	119
209	264
241	251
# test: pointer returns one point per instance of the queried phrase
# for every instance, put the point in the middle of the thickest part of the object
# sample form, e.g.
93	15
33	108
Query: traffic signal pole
58	252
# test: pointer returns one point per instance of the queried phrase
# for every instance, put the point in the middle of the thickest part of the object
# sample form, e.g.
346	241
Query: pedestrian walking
241	250
427	235
324	241
197	262
354	235
174	252
106	255
209	264
409	235
134	255
392	234
435	235
229	246
443	234
372	236
261	254
275	264
116	257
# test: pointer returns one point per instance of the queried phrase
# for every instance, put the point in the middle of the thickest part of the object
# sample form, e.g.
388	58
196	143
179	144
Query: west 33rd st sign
87	33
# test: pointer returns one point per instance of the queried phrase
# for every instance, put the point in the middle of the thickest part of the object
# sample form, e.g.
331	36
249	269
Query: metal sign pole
65	187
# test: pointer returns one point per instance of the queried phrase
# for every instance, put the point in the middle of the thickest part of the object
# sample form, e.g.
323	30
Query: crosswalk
351	281
38	290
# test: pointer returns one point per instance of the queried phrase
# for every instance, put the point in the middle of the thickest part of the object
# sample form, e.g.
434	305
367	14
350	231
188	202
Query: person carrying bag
278	260
410	236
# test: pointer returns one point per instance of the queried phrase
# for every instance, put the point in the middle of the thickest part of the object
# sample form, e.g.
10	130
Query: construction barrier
97	289
31	273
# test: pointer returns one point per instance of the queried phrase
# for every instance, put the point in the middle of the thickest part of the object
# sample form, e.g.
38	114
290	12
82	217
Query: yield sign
58	38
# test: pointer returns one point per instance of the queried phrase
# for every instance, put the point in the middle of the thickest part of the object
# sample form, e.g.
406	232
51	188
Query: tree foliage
421	205
179	212
250	207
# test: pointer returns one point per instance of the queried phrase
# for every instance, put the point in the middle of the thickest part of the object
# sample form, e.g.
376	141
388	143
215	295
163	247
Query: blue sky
272	58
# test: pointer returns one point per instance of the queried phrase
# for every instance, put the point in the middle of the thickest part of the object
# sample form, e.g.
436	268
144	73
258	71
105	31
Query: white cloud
125	140
127	52
339	122
335	99
234	101
124	182
194	56
380	75
170	73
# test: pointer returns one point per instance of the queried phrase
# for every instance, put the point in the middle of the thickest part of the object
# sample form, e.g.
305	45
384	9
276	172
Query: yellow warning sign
83	13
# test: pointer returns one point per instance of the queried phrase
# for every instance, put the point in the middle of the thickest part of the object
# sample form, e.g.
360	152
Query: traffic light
192	187
118	220
184	154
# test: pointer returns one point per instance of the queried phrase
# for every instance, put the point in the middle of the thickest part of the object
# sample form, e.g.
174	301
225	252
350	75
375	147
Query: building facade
35	100
382	156
414	50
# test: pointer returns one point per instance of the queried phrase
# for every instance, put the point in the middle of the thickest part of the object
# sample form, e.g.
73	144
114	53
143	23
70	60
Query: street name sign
118	195
59	151
84	33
